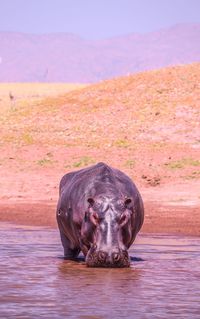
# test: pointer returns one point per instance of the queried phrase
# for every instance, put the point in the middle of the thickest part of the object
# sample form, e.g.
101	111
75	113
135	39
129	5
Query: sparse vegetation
35	91
123	143
139	123
45	161
183	163
27	138
130	164
83	161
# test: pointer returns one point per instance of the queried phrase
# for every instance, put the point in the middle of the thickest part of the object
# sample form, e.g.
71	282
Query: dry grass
137	123
16	95
35	90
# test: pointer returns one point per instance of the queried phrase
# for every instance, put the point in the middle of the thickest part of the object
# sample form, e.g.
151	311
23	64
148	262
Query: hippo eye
90	201
127	202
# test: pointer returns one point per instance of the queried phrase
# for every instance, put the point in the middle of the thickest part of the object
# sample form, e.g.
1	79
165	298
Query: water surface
36	282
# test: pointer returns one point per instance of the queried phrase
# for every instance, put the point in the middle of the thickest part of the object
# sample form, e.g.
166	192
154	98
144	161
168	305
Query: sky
96	19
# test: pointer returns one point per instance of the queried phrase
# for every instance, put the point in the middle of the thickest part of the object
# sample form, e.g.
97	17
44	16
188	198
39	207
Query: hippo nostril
102	255
116	257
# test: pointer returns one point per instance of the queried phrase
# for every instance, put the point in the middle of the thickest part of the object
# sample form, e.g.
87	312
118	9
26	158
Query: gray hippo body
99	212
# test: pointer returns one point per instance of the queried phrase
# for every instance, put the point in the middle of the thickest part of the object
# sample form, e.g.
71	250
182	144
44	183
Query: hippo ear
90	201
127	201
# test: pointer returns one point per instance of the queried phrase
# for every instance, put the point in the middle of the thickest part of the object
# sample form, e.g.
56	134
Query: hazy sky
94	19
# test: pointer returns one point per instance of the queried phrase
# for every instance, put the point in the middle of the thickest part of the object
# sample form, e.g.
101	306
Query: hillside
146	124
143	122
63	57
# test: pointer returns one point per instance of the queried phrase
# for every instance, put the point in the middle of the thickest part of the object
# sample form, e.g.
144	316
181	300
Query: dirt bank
168	209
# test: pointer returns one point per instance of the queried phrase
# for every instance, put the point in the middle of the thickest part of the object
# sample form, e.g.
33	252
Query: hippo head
107	232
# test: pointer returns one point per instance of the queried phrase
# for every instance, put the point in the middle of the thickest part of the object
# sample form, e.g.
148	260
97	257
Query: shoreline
168	219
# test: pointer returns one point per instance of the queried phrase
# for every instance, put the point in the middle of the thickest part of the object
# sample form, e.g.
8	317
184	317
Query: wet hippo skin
99	212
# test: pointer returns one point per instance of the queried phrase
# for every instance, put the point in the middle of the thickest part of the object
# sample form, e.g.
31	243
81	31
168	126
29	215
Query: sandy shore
164	213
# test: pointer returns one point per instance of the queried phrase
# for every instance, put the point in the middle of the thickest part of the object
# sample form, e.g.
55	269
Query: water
36	282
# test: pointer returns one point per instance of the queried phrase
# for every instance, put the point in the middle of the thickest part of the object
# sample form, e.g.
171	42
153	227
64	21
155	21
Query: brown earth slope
145	124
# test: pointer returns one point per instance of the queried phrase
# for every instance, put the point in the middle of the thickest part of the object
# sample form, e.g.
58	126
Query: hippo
99	212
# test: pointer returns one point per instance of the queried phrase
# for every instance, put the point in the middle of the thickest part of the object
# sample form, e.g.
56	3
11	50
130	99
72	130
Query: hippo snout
102	256
114	259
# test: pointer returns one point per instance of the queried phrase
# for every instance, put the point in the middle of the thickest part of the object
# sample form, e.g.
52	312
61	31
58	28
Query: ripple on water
36	282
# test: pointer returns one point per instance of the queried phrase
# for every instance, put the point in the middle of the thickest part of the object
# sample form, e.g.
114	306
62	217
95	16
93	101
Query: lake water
36	282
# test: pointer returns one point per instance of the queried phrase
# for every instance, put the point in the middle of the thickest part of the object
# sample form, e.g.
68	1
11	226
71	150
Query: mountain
63	57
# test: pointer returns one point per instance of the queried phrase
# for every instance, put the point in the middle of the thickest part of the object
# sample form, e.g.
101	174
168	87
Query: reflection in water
36	282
